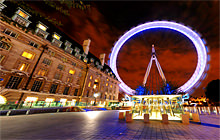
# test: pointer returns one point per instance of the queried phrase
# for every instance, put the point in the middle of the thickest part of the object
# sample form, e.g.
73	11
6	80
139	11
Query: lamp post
95	95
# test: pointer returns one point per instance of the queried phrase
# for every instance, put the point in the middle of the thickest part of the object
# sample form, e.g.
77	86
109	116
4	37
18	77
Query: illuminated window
95	86
56	36
22	14
69	79
96	80
41	26
42	72
111	86
22	66
49	100
1	57
31	99
28	55
107	79
89	85
90	77
106	84
47	61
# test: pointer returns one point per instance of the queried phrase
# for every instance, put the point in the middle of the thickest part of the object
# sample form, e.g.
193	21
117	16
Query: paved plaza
96	125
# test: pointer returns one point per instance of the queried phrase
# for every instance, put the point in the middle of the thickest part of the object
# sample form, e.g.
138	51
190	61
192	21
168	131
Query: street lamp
95	95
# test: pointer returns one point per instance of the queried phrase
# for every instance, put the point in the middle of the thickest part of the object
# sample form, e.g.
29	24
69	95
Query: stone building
41	63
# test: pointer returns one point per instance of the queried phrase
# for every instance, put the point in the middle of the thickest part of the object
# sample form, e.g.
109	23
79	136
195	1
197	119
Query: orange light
22	67
71	71
27	55
22	14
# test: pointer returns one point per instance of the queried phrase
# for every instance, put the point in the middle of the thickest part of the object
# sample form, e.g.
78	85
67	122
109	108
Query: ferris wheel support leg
160	71
147	72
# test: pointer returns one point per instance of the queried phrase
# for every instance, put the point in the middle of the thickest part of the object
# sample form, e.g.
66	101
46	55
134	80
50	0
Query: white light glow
48	100
193	36
2	100
31	99
92	114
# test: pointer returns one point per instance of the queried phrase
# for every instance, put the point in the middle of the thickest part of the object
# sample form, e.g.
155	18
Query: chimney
86	44
102	58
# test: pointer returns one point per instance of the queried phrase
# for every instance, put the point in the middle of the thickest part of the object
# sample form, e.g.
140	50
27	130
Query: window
113	97
33	44
89	85
36	86
57	76
61	67
13	82
5	45
42	72
41	26
10	33
22	14
71	71
105	96
22	66
51	53
66	90
64	59
47	61
76	92
111	86
87	94
106	84
69	79
56	36
1	57
53	88
110	97
90	77
107	79
68	49
68	44
28	55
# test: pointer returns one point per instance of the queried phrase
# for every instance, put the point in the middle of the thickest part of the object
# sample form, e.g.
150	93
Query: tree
212	91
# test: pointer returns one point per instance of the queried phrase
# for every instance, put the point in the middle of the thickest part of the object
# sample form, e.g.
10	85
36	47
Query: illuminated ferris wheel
199	44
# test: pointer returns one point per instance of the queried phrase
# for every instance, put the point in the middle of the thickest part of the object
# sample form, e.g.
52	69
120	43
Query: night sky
105	22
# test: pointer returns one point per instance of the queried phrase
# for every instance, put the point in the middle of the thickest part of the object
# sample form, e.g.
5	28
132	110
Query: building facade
42	65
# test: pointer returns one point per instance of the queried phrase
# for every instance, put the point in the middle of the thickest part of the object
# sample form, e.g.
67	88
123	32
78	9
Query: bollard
129	117
185	118
27	112
8	113
217	110
195	117
208	110
146	118
126	112
165	118
121	115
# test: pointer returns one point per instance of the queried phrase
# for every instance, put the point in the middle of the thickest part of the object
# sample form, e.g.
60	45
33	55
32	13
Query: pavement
95	125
